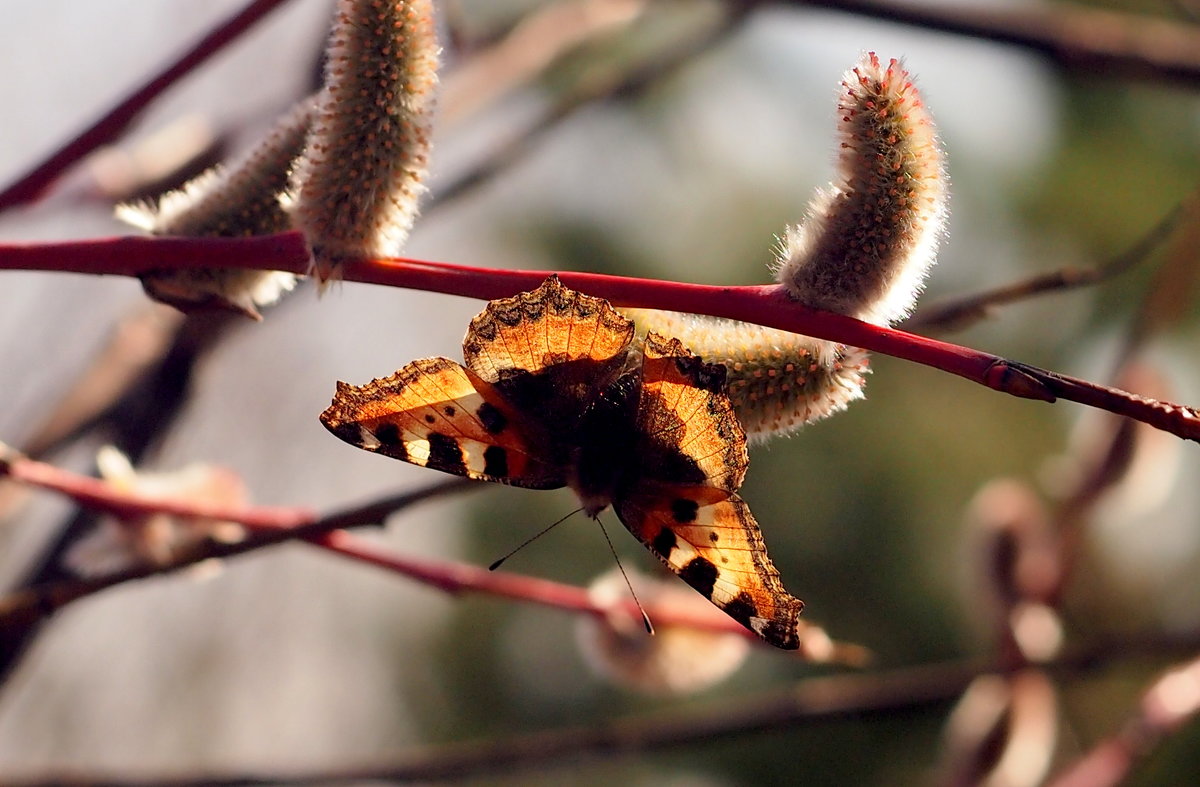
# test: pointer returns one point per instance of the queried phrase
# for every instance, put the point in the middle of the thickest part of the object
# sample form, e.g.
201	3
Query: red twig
97	494
462	577
33	183
764	305
273	525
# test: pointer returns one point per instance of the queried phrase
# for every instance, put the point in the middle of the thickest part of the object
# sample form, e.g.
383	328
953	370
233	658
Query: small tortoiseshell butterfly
553	394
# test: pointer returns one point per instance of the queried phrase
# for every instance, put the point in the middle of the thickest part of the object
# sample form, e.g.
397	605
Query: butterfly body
553	393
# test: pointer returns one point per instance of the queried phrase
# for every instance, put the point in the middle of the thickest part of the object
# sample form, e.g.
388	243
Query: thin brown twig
34	182
598	88
1084	40
27	606
812	700
527	50
962	312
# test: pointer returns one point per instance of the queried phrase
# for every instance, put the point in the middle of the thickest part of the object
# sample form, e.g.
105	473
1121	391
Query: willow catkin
869	240
777	381
241	199
362	173
863	251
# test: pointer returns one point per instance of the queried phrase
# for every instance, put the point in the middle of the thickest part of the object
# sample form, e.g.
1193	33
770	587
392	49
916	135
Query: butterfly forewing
549	352
435	413
711	540
538	330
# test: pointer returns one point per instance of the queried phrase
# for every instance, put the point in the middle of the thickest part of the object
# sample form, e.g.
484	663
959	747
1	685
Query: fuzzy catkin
677	660
777	381
361	177
239	200
868	241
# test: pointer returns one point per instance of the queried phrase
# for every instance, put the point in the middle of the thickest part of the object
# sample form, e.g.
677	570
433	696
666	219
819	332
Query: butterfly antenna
495	565
645	618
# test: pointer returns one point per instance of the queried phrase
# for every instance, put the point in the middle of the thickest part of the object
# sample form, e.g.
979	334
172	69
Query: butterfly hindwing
435	413
711	540
690	459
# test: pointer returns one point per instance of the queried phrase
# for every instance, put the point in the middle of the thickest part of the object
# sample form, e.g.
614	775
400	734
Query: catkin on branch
868	241
360	179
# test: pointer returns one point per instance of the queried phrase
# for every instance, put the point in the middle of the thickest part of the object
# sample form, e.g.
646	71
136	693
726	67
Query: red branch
764	305
100	495
273	525
31	185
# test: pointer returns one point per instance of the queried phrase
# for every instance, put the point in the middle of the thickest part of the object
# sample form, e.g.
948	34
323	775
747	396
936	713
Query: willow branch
34	182
959	313
1172	701
26	607
812	700
622	84
763	305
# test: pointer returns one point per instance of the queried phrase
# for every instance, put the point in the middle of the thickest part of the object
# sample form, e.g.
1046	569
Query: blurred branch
1083	40
31	185
1172	701
814	699
135	346
808	701
27	606
962	312
762	305
103	496
1005	731
536	42
602	86
141	412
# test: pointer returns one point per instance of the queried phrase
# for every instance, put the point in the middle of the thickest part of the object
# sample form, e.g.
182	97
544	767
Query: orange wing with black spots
710	539
552	395
691	454
435	413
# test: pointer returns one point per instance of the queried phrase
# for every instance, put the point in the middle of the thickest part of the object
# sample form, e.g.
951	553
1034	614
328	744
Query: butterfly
555	392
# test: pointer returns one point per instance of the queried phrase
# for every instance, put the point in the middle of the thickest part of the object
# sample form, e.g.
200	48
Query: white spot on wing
705	516
681	555
473	454
367	439
723	591
418	452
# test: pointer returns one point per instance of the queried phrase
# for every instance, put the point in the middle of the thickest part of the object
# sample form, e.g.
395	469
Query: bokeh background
292	659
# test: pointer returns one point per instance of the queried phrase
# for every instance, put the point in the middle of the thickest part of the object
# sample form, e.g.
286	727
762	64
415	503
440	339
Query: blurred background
292	659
